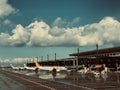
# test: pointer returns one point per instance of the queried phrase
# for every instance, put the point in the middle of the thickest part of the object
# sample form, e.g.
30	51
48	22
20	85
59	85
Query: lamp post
41	58
77	58
47	57
97	61
55	59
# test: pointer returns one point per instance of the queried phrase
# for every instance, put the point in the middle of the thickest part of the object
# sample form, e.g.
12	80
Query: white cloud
14	61
107	30
19	37
56	31
74	22
39	33
5	8
21	60
4	39
6	22
59	22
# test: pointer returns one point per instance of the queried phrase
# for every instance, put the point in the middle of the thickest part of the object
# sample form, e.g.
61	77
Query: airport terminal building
108	56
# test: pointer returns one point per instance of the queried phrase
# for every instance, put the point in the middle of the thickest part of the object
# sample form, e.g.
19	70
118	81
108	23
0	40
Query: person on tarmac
54	73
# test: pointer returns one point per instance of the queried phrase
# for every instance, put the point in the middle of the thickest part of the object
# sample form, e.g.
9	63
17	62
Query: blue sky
89	11
35	28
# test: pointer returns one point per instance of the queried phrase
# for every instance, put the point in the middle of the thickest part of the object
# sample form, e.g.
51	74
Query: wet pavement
7	83
62	81
110	81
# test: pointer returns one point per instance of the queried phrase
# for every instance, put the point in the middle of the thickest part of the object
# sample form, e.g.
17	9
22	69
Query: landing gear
36	70
54	73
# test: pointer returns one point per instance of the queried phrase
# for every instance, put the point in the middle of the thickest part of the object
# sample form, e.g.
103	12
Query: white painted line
32	82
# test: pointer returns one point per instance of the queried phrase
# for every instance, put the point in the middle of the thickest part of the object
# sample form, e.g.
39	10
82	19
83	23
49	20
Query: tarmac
28	80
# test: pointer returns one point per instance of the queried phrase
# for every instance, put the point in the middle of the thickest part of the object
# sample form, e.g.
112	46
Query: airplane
50	68
29	68
105	70
84	70
21	68
16	68
100	69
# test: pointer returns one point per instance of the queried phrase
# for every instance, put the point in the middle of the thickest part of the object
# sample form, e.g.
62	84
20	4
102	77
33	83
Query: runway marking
32	82
87	88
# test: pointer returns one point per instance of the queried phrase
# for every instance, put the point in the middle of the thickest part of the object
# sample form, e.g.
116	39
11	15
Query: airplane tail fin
37	64
11	65
24	65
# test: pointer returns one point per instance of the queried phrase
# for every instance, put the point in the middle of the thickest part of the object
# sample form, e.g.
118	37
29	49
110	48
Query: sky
36	28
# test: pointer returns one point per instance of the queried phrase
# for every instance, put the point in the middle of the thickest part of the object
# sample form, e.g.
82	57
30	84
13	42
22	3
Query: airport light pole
77	58
97	61
47	57
55	59
55	56
42	58
27	61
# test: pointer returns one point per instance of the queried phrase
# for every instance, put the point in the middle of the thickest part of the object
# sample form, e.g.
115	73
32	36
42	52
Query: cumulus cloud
22	60
19	37
107	30
4	39
59	22
17	61
5	8
39	33
6	22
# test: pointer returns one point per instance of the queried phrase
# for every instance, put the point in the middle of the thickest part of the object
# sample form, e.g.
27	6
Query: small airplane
16	68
